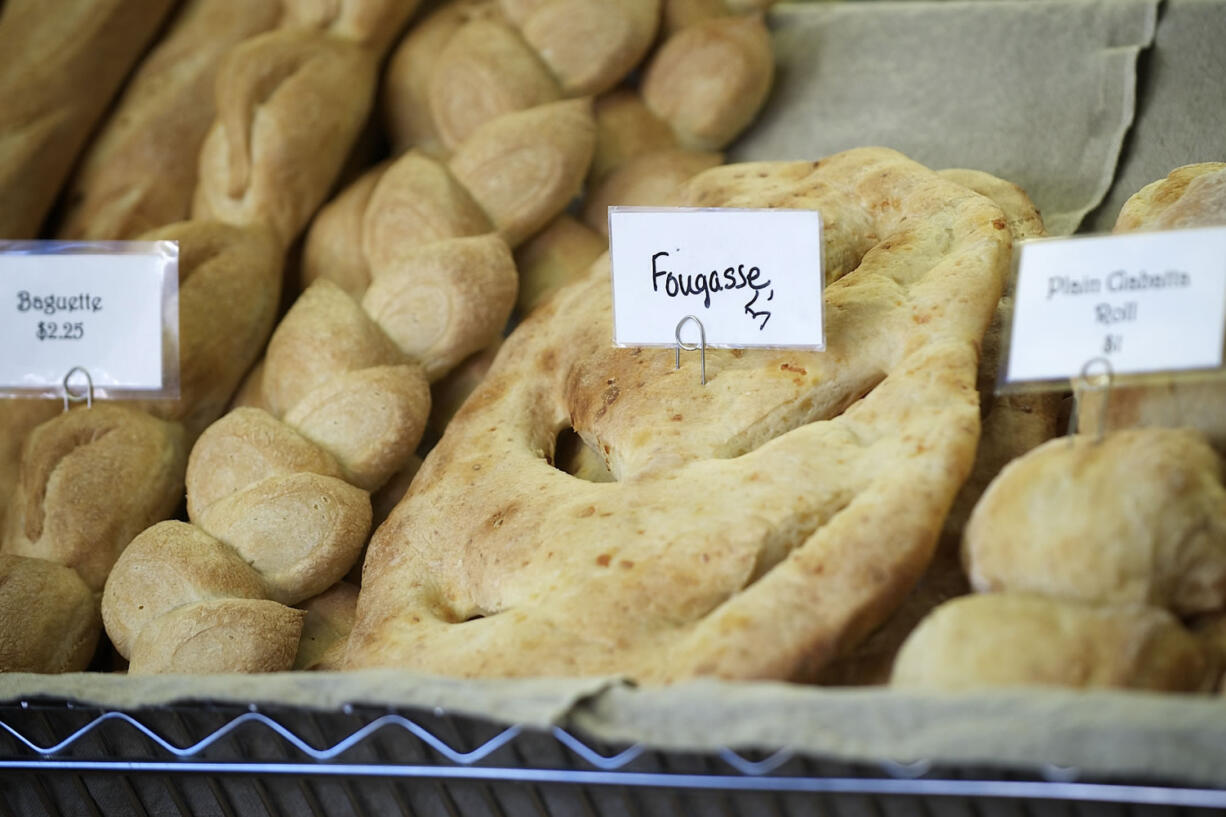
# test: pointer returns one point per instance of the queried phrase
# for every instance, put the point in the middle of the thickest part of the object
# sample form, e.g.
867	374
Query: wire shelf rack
60	758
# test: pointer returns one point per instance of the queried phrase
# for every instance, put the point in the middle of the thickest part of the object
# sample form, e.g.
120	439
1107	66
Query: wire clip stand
86	396
701	346
1096	382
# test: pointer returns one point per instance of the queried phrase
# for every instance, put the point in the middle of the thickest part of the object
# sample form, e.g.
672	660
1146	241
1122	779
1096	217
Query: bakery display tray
58	757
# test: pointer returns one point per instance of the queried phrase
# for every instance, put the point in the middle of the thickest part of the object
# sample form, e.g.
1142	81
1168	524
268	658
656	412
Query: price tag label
110	308
1147	302
752	277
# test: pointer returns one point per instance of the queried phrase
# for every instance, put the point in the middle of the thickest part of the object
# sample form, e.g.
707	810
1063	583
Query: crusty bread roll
1014	640
139	173
235	635
1190	196
661	575
1136	517
62	66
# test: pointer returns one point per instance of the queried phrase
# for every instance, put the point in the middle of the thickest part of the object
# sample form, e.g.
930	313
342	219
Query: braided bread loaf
759	524
288	498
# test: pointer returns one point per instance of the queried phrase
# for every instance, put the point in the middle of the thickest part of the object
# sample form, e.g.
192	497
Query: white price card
1146	302
752	277
110	308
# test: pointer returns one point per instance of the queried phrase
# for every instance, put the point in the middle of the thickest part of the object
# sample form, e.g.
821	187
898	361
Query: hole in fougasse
574	456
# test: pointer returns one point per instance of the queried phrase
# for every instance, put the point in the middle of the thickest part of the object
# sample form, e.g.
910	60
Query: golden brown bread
220	635
1013	640
759	524
560	253
17	419
229	289
290	103
486	70
51	617
626	128
449	393
139	172
326	628
588	44
709	80
1190	196
1011	425
1136	517
871	661
345	381
372	24
90	481
647	180
60	72
472	61
702	87
1014	423
404	100
274	525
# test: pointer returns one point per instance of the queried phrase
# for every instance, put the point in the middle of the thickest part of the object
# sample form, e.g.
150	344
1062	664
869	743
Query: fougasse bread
759	525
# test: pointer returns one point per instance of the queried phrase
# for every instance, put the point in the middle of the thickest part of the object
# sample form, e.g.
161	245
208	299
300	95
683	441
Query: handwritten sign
1147	302
753	277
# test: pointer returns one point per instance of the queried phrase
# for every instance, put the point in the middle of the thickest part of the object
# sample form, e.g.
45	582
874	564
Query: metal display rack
59	758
